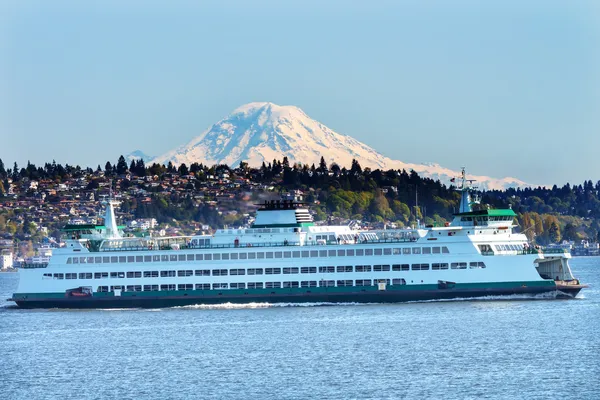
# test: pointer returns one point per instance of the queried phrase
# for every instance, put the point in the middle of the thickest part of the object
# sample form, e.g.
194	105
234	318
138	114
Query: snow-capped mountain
137	155
258	132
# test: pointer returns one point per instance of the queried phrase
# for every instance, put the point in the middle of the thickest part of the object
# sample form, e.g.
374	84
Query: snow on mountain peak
262	131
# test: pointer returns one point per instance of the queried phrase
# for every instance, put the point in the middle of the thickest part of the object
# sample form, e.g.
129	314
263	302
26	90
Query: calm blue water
453	350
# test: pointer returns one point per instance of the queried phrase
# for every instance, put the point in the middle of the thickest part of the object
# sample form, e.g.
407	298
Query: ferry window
458	265
424	267
219	272
397	251
273	285
181	257
70	275
350	252
122	259
105	260
363	268
199	257
378	252
251	256
173	257
59	276
332	238
82	260
290	284
166	274
150	288
290	270
398	281
114	259
420	267
234	256
84	275
426	250
278	254
239	271
364	282
382	268
272	271
344	268
314	253
69	260
185	286
269	254
243	256
287	254
404	267
435	266
396	267
387	252
202	272
445	250
308	270
134	288
167	287
368	252
255	271
164	257
360	252
416	250
132	274
324	283
207	257
327	269
260	255
322	253
130	259
202	286
75	260
406	250
150	274
224	256
156	258
296	254
239	285
103	289
187	272
305	254
306	284
341	253
341	283
90	260
139	258
190	257
255	285
481	264
100	275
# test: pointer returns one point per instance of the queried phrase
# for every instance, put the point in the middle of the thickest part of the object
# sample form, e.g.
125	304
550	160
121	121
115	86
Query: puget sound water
509	348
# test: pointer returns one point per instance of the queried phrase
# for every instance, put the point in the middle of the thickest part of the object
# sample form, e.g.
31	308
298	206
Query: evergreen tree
108	168
323	166
2	170
121	166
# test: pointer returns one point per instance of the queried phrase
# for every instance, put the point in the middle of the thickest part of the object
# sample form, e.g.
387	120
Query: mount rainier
258	132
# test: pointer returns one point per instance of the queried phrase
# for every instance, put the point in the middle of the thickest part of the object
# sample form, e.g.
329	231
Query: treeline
570	212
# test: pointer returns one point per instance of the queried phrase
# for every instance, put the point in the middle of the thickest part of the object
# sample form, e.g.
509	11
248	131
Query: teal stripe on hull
369	294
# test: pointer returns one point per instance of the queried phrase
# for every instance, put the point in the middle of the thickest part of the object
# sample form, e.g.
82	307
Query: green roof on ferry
489	213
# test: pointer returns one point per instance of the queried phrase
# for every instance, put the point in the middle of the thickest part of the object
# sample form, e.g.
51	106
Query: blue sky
507	88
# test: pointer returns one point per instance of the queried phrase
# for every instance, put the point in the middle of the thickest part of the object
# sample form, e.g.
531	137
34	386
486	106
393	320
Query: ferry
285	258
